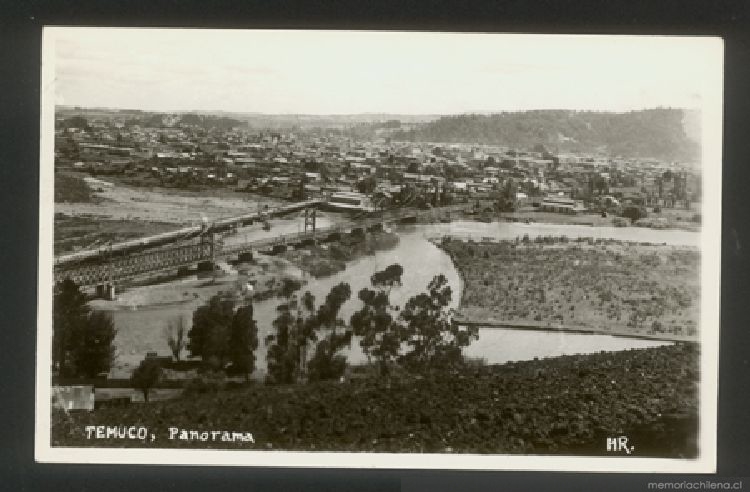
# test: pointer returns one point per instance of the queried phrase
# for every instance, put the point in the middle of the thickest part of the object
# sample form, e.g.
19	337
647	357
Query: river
141	330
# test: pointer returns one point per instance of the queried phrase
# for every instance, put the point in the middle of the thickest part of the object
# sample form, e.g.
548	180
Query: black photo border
22	23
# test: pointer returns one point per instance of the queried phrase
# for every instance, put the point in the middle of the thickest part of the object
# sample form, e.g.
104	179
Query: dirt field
73	232
605	284
163	205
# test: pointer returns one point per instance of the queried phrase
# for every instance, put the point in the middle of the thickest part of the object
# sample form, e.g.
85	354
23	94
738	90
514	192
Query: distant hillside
658	133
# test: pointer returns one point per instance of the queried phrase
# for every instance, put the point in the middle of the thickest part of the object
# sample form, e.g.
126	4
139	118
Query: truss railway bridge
202	246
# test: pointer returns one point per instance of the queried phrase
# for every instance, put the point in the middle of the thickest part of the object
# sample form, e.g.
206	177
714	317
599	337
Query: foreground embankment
564	405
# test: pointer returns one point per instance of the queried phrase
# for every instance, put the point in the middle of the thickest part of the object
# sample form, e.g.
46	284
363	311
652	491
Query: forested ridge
658	133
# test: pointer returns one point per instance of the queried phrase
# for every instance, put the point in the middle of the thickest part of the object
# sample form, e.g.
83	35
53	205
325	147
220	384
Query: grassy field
603	284
564	405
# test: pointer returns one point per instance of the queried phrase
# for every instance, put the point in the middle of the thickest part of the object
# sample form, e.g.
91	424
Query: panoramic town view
520	281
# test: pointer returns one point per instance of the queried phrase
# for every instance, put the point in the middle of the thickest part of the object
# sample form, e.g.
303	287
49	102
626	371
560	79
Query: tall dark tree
305	329
328	312
91	344
243	340
209	338
282	357
69	312
83	341
294	329
327	362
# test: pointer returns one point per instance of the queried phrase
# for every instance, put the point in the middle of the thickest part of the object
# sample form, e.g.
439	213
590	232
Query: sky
349	72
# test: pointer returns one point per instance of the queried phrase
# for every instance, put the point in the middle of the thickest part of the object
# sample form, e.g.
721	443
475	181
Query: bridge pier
206	266
106	291
306	242
278	248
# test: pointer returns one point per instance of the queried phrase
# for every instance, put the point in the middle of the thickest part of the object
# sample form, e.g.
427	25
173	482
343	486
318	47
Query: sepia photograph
379	249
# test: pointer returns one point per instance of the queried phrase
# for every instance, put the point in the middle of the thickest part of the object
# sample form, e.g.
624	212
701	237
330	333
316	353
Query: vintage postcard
379	249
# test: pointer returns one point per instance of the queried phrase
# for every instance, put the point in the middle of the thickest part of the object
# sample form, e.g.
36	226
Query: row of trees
308	339
306	344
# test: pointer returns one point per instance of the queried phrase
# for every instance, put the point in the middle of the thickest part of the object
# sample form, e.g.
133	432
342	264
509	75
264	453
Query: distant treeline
152	120
658	133
156	120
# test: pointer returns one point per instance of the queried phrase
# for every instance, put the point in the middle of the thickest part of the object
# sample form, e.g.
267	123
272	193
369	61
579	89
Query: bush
634	213
208	382
326	364
146	375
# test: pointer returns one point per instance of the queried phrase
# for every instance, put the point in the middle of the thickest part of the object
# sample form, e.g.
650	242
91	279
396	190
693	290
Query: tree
435	340
389	277
286	356
76	122
209	338
146	375
295	328
69	311
375	322
91	345
175	334
243	340
326	362
282	359
83	341
634	213
327	315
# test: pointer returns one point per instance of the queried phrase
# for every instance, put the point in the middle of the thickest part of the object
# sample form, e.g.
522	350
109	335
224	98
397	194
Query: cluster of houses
293	164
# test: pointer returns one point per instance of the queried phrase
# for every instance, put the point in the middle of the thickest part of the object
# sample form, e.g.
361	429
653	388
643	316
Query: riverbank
563	405
474	316
585	285
678	219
